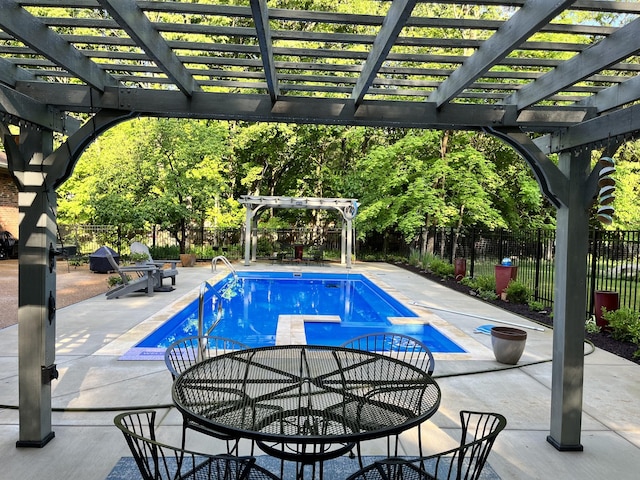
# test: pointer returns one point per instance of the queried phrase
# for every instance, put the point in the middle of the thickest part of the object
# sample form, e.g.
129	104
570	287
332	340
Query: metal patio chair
400	346
184	353
479	432
158	461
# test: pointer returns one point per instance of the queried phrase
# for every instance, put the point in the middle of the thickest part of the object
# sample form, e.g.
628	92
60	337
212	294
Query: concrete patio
94	386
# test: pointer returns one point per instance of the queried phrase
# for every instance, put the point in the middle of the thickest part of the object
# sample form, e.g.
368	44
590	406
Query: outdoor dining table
306	403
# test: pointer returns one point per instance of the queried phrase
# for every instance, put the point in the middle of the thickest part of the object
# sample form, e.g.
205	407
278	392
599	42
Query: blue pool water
252	303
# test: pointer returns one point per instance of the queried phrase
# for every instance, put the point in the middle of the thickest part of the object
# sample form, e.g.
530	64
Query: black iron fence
613	260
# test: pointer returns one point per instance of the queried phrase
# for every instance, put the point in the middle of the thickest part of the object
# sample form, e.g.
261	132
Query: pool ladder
203	291
201	332
224	260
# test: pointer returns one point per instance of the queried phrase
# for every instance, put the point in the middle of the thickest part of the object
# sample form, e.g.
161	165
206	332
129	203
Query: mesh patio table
306	403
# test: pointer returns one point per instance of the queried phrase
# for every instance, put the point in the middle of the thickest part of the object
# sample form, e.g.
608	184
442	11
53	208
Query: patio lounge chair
479	432
400	346
184	353
171	272
145	280
158	461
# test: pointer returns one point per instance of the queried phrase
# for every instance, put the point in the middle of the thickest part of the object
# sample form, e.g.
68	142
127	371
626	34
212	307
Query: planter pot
460	268
508	344
188	259
608	300
504	274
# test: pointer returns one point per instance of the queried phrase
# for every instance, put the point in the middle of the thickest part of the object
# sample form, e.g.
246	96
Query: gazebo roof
565	68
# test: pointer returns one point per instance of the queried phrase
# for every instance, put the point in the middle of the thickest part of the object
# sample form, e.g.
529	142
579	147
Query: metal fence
613	261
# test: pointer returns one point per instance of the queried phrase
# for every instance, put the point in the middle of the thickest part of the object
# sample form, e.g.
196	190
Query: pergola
546	76
348	208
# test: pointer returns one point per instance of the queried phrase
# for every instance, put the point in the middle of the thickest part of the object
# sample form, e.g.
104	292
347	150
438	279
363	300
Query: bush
441	268
536	306
517	292
484	283
624	324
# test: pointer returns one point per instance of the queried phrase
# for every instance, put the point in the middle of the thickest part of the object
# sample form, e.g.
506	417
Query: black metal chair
479	432
158	461
186	352
400	346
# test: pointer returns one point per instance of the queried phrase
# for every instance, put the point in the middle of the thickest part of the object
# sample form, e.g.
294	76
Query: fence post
594	263
473	251
536	282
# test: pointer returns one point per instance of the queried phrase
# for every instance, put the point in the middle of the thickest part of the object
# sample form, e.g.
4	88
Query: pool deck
94	385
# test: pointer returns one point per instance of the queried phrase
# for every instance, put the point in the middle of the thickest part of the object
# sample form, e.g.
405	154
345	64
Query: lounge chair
171	272
146	278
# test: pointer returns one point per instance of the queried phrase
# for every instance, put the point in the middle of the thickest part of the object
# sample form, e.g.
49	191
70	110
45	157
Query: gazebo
542	75
347	207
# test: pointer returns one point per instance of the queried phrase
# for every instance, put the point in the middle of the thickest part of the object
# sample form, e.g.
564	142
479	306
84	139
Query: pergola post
37	289
248	236
570	294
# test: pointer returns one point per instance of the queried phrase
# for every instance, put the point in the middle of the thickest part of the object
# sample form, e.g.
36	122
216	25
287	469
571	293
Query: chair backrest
466	462
479	432
398	345
187	351
158	461
116	267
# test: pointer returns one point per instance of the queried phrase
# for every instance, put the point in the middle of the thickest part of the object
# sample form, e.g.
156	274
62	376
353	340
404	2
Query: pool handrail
226	261
201	332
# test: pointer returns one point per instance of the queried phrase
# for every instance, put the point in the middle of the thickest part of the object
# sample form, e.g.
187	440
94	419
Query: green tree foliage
163	172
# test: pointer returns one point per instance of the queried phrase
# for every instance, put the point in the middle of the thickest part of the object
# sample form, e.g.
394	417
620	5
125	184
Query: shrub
485	283
414	259
591	326
441	268
487	294
536	306
624	324
517	292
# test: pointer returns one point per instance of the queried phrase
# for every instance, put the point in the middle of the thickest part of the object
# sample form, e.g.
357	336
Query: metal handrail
201	332
226	261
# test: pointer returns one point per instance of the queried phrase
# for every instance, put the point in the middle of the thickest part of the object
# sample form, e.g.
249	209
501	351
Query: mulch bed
601	340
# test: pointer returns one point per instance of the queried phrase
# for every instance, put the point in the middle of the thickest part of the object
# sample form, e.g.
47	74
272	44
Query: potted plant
508	344
139	258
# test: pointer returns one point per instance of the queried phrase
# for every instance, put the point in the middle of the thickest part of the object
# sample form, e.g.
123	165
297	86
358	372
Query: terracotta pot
504	274
460	268
188	259
508	344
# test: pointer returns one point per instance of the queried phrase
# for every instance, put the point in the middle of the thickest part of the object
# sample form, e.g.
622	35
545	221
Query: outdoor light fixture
606	189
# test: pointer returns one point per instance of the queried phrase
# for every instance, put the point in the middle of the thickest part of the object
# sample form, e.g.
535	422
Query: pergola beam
31	31
521	25
138	27
261	20
394	22
616	47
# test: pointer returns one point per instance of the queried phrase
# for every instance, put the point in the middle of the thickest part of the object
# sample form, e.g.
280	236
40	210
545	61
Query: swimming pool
331	309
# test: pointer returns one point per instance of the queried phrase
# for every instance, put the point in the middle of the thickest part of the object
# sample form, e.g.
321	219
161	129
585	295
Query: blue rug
336	469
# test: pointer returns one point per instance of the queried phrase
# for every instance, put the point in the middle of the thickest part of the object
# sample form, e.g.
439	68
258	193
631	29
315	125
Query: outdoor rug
336	469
